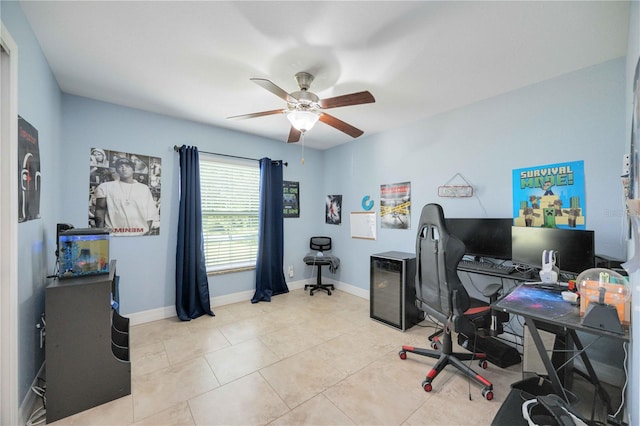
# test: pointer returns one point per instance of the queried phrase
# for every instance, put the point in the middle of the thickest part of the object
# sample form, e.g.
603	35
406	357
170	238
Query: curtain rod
177	148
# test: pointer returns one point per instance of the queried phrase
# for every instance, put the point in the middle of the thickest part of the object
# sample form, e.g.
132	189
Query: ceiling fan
304	108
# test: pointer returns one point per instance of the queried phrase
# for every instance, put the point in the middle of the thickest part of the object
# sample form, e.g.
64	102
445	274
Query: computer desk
545	309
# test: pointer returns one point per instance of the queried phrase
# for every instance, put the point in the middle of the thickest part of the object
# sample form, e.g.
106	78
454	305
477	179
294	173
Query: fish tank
83	252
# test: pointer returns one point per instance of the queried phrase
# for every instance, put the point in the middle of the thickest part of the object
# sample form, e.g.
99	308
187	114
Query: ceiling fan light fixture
303	119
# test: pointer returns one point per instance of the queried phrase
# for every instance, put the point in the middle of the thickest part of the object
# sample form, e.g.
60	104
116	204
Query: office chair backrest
438	254
320	243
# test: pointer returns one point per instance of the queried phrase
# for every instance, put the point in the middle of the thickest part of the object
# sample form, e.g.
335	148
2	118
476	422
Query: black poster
291	196
333	209
29	177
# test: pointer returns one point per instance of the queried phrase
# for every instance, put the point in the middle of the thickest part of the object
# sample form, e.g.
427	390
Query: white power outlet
290	271
626	165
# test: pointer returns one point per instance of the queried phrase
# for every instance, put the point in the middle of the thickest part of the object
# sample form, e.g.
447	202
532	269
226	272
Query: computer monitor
483	237
575	248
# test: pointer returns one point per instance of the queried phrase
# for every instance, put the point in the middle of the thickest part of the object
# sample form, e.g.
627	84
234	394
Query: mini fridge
392	291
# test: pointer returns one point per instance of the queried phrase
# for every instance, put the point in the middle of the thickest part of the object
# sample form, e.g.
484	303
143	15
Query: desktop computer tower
392	289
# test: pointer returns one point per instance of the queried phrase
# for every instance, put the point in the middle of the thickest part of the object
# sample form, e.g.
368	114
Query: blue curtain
192	286
269	269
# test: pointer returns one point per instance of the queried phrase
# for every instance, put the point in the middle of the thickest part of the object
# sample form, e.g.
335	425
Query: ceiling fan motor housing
304	80
307	100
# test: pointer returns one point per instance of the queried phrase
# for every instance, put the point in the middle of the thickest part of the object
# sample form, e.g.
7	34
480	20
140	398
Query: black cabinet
392	291
87	345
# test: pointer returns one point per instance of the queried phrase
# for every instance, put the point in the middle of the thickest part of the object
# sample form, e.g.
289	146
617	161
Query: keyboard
558	286
487	266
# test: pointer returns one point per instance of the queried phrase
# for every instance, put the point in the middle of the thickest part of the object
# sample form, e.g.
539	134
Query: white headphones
549	271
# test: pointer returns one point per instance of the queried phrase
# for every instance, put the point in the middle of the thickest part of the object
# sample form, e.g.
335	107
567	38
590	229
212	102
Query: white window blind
230	200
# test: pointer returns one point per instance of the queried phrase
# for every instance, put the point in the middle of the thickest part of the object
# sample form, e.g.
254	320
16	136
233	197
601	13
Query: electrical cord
38	416
473	354
626	378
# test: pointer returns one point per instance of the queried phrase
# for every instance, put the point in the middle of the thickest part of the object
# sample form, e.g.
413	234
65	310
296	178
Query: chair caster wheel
426	385
403	355
483	363
434	345
487	394
329	293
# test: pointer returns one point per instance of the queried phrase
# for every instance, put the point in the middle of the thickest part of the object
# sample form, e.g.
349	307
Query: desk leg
546	360
593	377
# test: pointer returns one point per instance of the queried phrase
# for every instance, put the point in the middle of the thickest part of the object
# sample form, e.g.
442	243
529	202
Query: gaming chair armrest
457	316
492	291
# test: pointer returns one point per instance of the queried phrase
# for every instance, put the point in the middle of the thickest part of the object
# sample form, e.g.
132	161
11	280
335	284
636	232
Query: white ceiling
193	60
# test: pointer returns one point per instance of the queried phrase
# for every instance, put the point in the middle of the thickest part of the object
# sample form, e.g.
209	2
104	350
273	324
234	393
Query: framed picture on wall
333	209
30	176
395	205
291	198
124	192
550	196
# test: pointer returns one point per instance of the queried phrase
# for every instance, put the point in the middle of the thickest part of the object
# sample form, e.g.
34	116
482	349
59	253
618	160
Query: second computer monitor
575	248
483	237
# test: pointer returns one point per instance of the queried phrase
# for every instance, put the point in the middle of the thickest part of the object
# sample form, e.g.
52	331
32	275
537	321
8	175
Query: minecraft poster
550	196
29	177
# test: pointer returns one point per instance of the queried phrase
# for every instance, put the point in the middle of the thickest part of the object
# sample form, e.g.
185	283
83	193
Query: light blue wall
39	102
578	116
147	264
633	58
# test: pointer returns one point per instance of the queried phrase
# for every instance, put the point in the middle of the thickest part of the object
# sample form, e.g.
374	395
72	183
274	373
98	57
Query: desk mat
537	302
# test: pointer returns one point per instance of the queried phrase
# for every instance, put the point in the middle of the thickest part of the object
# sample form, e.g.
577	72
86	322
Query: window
230	200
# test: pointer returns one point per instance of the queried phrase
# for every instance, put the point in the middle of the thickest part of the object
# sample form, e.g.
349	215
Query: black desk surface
547	306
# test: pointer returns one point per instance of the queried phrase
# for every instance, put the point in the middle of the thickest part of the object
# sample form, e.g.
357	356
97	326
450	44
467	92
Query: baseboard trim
351	289
142	317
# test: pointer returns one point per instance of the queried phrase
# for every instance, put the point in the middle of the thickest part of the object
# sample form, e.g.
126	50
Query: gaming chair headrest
432	214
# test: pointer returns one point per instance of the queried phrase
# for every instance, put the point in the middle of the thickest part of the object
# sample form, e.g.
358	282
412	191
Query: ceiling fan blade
340	125
256	114
294	135
346	100
276	90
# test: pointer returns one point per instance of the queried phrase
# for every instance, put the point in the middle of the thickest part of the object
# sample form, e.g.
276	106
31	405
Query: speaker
498	353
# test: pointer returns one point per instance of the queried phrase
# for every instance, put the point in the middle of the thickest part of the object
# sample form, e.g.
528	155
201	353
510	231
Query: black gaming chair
318	257
443	298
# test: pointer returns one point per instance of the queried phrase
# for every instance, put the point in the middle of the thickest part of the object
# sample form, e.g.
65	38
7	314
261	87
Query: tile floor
297	360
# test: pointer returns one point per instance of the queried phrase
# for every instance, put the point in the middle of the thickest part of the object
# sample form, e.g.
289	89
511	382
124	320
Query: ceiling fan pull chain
302	145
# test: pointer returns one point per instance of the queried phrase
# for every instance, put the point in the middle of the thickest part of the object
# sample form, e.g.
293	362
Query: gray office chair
442	297
318	257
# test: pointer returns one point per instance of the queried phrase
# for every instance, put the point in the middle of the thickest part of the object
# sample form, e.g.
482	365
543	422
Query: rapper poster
333	209
124	192
395	205
29	179
550	196
291	198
